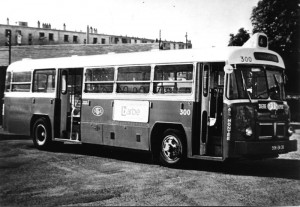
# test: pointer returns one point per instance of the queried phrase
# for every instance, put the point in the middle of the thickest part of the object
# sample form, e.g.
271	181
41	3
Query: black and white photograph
150	103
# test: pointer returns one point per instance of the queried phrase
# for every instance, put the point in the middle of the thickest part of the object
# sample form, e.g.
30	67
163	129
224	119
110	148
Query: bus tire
41	134
172	150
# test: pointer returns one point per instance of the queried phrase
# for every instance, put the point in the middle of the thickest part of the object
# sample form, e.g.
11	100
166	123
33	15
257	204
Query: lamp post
186	41
8	43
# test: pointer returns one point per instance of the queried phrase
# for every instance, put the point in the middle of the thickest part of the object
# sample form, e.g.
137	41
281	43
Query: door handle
33	100
51	101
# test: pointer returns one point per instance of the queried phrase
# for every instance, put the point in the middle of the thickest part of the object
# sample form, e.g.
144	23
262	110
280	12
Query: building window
51	37
66	38
29	39
102	41
42	35
75	39
95	40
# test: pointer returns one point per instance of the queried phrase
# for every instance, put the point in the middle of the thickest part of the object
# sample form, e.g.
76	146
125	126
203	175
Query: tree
279	20
239	39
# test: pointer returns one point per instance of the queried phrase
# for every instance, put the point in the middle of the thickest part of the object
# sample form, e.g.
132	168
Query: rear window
21	81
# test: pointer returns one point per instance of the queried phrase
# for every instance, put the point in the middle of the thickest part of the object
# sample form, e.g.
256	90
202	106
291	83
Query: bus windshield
256	82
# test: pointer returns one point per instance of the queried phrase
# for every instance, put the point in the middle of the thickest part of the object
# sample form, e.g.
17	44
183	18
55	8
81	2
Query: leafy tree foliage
280	21
239	39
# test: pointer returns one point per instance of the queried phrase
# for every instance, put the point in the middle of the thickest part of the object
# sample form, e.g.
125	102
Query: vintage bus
212	104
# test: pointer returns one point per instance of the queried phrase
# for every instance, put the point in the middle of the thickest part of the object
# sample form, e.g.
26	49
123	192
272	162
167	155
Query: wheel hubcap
171	148
41	134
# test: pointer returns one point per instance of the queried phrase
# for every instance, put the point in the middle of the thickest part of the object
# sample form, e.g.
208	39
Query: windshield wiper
245	87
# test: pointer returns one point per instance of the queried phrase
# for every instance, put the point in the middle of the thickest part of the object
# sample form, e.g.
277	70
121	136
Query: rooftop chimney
88	35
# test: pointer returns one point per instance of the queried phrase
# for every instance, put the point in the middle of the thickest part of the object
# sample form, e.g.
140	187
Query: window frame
66	38
46	89
99	82
134	82
165	92
51	36
19	83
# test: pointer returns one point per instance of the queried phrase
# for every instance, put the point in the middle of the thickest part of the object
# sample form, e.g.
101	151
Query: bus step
68	140
208	158
74	136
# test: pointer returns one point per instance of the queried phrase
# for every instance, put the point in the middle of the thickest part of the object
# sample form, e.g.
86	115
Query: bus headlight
291	130
249	132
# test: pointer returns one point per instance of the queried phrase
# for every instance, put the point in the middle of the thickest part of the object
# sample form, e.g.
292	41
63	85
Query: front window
256	82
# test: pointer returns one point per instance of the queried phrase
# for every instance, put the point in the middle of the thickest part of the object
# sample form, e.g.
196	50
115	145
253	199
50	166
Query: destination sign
266	57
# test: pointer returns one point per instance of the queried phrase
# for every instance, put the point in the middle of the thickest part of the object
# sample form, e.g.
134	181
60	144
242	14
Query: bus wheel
41	134
172	149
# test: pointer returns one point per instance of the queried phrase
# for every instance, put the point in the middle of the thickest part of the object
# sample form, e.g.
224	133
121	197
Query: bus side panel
176	113
91	132
98	126
124	135
44	106
172	111
94	113
18	114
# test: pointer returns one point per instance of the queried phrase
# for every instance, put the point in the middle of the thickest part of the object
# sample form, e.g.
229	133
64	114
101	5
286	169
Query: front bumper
265	148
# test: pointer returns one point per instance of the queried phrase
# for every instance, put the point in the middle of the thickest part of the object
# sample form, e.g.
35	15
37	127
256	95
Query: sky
207	23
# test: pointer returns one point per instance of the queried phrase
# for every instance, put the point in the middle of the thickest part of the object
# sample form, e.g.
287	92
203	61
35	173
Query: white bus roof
231	55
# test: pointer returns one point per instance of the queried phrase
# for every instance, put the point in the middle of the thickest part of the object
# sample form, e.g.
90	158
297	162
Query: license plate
277	147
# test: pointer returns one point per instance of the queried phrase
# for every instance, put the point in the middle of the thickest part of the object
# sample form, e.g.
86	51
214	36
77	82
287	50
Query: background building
43	34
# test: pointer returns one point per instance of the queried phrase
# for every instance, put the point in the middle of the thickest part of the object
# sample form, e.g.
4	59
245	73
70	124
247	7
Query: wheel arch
35	117
159	128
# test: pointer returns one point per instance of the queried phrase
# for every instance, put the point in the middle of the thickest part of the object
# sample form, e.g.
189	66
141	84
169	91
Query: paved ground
91	175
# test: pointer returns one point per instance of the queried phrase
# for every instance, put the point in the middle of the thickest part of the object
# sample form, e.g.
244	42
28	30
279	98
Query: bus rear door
69	110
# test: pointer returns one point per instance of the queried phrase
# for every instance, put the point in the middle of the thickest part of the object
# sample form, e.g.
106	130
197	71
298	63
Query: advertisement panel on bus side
132	111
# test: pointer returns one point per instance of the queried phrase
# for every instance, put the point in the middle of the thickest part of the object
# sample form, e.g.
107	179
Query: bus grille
271	130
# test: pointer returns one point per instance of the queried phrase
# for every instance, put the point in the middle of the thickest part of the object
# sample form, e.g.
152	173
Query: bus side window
7	81
21	81
173	79
99	80
44	81
133	79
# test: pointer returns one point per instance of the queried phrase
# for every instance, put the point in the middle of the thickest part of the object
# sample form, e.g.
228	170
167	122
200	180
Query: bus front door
204	108
69	112
211	110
